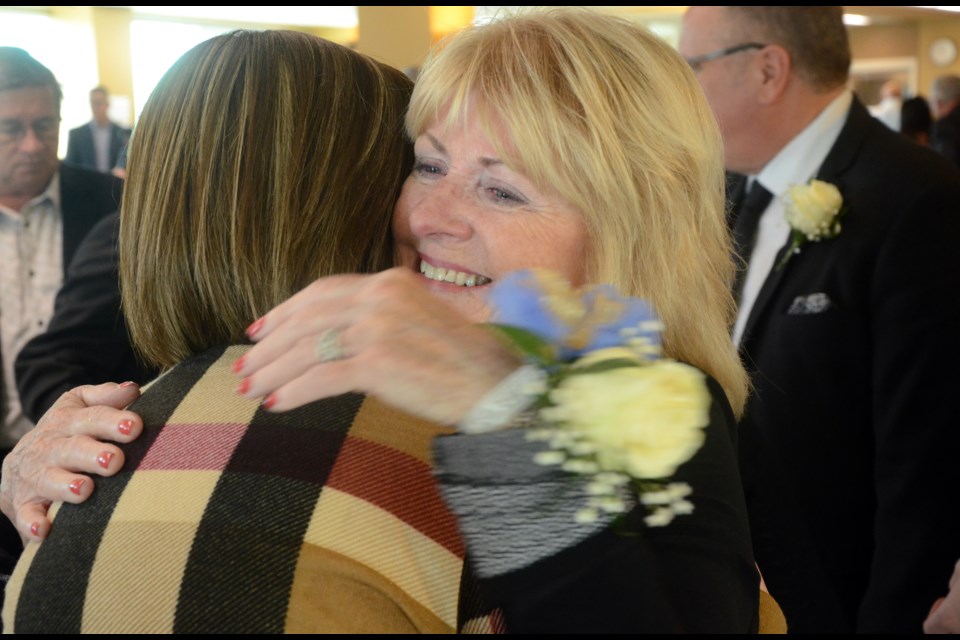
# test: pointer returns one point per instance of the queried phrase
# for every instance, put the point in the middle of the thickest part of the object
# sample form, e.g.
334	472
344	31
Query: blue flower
575	321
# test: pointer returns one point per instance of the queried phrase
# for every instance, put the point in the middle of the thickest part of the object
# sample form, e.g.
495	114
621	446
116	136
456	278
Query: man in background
888	109
46	209
99	143
944	102
850	337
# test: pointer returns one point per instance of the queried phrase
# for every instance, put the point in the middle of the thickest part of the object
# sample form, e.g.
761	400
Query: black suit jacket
850	440
80	149
85	197
86	341
945	136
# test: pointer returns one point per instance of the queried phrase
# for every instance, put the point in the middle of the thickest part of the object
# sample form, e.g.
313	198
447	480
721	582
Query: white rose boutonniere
813	212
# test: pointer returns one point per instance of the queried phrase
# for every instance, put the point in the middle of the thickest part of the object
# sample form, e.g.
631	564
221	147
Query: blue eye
425	168
503	195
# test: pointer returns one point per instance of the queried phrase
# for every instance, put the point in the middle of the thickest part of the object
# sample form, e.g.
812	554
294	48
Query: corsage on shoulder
612	409
813	212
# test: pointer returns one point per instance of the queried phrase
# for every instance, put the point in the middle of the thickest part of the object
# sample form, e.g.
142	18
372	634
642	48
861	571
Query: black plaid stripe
251	533
67	559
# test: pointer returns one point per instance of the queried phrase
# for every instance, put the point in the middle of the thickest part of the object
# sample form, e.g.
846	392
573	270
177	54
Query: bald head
766	71
944	94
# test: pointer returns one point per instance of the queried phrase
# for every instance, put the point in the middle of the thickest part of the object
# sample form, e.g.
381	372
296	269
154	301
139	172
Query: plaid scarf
230	519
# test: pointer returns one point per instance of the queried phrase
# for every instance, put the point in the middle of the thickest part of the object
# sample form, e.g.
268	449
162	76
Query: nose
440	211
31	142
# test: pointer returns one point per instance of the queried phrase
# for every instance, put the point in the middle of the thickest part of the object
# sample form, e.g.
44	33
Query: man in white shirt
888	109
851	338
99	144
45	211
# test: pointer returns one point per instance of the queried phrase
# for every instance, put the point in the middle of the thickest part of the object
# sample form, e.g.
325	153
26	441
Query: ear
775	70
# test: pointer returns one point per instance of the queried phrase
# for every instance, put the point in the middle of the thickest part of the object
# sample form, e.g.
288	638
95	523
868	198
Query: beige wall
398	36
111	33
909	40
930	30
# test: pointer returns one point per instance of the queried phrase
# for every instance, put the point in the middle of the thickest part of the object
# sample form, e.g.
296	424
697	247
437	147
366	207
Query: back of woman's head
262	161
605	114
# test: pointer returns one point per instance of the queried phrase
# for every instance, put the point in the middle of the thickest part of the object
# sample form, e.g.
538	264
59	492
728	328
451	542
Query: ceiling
346	17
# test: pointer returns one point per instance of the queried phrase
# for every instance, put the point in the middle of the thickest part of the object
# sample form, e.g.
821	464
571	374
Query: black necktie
745	228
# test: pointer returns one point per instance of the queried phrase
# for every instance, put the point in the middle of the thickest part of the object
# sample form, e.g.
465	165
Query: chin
472	305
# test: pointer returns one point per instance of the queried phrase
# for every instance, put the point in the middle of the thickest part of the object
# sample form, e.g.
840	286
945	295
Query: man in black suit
945	104
850	436
99	143
46	209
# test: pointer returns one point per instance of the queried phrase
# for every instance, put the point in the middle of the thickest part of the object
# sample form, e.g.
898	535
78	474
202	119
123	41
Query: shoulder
76	178
885	177
885	153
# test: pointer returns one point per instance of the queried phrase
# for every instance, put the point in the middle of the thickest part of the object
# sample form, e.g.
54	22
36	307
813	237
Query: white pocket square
810	304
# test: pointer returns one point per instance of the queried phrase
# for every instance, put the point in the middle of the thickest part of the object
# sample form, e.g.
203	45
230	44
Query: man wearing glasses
851	336
45	211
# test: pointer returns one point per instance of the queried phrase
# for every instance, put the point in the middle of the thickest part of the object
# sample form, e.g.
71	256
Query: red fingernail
104	459
76	485
35	528
128	383
238	364
254	329
125	427
243	387
269	401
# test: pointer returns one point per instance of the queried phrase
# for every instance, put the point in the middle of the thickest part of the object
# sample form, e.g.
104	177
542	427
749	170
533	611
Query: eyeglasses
46	129
697	62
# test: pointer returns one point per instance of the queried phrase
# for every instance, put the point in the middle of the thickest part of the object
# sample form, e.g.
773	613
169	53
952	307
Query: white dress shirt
796	163
31	243
101	145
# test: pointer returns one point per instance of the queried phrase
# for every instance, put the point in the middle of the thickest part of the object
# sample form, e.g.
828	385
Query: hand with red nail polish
72	442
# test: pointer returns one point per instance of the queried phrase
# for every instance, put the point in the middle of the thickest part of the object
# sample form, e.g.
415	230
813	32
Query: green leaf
604	365
527	343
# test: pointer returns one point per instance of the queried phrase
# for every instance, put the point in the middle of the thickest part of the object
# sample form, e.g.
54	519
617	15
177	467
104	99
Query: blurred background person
99	143
944	102
916	120
887	110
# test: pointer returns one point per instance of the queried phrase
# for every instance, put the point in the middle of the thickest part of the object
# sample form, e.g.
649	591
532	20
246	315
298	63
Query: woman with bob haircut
262	161
565	140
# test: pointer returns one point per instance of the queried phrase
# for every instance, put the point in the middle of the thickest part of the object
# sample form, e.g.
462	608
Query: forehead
28	102
701	30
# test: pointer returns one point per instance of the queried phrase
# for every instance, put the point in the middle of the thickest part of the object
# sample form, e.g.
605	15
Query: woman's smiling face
464	219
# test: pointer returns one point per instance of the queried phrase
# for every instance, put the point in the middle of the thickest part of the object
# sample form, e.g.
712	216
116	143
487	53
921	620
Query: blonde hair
608	116
262	161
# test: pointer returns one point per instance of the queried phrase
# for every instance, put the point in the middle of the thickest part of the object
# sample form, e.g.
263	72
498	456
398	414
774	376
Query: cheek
561	248
401	215
404	242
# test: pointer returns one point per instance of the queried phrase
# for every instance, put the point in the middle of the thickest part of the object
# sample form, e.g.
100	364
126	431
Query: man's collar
800	159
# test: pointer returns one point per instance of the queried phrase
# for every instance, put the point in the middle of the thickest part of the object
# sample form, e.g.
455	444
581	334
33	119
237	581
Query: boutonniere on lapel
813	212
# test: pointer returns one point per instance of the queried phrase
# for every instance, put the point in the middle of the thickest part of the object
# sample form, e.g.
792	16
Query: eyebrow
439	146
